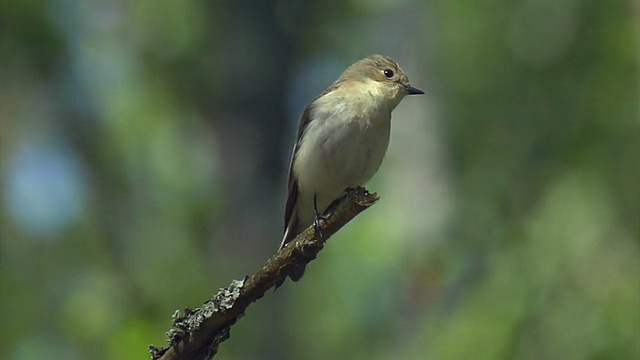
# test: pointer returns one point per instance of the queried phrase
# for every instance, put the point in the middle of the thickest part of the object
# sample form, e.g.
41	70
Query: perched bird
342	138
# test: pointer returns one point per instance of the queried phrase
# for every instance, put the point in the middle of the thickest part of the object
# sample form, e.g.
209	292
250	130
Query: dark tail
290	233
297	272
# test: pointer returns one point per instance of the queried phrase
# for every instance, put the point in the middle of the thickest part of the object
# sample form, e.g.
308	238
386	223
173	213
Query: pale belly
337	156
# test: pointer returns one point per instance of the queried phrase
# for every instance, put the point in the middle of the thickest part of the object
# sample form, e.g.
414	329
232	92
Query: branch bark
197	333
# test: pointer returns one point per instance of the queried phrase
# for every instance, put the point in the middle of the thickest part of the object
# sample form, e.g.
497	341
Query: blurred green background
144	154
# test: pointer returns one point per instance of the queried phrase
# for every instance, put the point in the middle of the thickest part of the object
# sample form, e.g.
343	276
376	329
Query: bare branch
197	334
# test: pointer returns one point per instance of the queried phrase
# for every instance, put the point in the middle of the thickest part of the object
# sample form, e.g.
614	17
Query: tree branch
197	334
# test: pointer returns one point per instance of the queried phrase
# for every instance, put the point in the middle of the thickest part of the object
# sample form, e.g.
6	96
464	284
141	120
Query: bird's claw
350	190
316	219
316	223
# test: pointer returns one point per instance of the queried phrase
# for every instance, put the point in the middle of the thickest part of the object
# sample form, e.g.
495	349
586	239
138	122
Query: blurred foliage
144	155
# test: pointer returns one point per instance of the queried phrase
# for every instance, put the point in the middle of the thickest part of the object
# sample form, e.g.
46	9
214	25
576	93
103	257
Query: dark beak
413	90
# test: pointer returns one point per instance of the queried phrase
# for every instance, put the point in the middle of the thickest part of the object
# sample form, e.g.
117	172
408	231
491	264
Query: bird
342	138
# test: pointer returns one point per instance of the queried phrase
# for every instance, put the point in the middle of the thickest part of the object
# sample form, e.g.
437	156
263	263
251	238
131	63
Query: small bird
343	136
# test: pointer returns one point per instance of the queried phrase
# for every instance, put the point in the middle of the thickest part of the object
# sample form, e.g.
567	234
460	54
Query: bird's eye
388	73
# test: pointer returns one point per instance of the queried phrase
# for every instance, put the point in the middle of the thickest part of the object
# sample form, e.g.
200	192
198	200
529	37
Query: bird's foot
316	219
350	190
316	223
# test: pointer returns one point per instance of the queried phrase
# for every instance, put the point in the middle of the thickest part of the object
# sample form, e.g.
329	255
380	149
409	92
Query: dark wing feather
292	187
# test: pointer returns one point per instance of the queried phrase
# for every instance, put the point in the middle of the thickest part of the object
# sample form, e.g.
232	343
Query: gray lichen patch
191	320
222	301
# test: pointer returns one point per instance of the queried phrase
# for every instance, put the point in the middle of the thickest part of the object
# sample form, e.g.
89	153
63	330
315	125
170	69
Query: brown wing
290	221
292	196
292	187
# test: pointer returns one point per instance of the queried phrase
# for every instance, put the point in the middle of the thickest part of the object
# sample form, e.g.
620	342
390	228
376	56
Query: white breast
343	145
